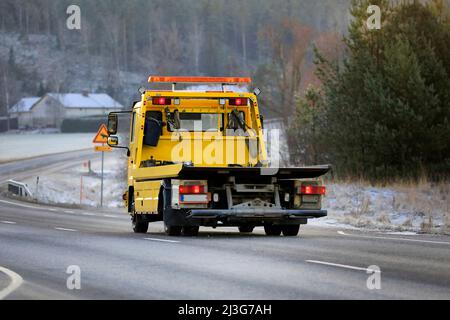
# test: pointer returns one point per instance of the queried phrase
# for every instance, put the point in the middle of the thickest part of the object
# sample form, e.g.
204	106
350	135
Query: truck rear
198	158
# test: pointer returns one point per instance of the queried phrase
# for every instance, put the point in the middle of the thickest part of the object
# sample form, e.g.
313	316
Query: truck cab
198	158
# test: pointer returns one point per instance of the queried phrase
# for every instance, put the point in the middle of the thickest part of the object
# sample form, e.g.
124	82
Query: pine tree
386	104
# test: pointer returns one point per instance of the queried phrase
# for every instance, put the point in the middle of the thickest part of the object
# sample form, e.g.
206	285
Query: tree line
188	37
383	111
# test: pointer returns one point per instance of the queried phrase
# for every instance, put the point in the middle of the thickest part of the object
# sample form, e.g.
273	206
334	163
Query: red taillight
160	101
238	101
316	190
192	189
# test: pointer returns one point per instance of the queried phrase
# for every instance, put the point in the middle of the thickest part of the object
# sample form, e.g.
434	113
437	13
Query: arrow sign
102	135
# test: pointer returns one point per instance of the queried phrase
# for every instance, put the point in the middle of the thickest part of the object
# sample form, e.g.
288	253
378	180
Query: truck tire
272	230
246	229
290	230
139	225
172	231
190	231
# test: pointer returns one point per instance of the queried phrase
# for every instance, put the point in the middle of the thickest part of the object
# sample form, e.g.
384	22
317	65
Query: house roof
24	105
91	100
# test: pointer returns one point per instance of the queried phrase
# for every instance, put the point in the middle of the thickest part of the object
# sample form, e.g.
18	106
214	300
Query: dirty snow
15	146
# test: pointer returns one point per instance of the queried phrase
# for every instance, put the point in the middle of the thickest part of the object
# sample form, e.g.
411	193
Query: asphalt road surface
40	244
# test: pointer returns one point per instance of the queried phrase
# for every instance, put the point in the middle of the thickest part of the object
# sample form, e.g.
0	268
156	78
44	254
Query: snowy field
422	207
31	144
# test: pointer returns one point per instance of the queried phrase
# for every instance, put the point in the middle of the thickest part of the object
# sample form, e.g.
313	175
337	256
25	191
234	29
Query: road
39	243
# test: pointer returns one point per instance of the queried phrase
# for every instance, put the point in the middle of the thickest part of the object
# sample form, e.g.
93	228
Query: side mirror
152	132
112	123
257	91
113	141
176	120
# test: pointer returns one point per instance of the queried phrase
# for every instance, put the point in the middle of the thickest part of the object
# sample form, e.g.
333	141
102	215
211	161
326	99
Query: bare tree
289	42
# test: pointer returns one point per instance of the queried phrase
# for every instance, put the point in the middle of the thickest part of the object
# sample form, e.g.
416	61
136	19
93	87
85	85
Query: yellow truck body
198	158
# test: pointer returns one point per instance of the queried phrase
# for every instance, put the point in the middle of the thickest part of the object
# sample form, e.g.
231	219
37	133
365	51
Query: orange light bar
230	80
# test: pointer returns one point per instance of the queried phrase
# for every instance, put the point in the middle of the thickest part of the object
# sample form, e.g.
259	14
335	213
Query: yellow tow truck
198	158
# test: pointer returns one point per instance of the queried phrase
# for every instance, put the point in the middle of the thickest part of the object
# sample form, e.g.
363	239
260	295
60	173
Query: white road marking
69	211
392	238
20	205
88	214
28	206
65	229
8	222
16	282
342	266
111	216
161	240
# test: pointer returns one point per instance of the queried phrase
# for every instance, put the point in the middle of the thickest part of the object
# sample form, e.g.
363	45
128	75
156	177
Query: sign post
102	138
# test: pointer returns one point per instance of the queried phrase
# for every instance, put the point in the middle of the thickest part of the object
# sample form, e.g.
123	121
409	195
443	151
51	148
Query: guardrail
20	189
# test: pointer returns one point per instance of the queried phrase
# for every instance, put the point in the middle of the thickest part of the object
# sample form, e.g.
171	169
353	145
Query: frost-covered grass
31	144
418	207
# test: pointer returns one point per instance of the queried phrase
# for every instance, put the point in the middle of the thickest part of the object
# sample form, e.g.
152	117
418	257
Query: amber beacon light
229	80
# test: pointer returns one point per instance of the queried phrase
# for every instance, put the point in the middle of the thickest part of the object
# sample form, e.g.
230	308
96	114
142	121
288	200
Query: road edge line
342	233
16	282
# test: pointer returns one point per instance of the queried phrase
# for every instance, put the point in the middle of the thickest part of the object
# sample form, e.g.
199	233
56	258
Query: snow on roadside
15	146
64	187
416	208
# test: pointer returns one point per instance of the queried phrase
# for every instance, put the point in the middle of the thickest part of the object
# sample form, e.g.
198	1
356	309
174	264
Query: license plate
194	198
310	198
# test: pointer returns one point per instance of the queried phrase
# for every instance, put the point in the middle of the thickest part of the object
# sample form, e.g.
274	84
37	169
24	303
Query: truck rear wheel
173	231
246	229
290	230
190	231
272	230
139	225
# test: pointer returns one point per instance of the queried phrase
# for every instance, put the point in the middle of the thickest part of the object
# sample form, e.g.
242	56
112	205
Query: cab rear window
200	122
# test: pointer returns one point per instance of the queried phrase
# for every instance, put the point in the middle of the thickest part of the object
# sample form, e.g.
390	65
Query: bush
82	125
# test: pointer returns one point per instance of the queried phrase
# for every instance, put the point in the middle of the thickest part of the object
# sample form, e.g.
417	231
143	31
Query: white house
53	108
22	111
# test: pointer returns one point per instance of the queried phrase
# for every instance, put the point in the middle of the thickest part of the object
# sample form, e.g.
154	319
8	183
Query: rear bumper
256	214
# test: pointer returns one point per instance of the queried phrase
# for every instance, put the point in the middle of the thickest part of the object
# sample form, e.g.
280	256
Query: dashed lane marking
342	266
112	216
65	229
8	222
161	240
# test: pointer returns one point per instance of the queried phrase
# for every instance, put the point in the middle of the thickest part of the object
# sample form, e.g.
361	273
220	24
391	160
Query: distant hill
121	42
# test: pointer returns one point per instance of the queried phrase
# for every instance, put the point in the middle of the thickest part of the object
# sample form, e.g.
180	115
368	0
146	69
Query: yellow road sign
102	135
103	148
